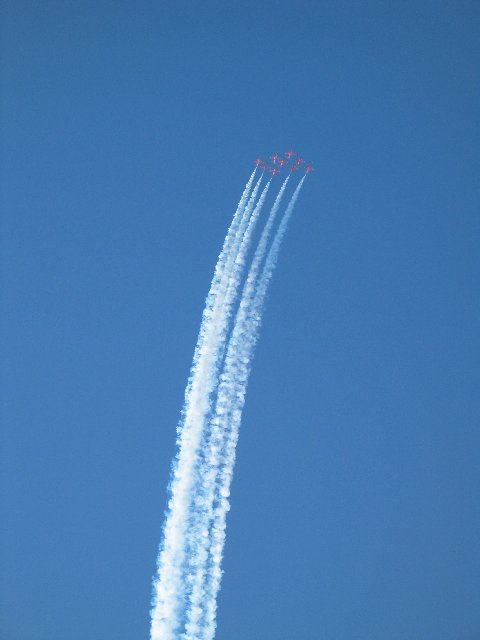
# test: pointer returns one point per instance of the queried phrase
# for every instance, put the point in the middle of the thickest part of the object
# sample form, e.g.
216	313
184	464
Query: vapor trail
200	538
196	526
171	586
168	585
231	399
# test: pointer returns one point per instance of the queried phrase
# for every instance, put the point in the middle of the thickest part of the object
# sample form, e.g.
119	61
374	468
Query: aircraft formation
281	162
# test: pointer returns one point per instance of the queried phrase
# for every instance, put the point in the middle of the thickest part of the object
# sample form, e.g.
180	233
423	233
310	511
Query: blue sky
128	132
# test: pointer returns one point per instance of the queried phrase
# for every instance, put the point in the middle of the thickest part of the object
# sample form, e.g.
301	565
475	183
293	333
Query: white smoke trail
170	587
200	538
195	536
230	402
167	587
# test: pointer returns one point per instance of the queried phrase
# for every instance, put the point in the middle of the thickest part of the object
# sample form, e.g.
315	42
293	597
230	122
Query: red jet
282	162
275	157
294	167
274	171
289	154
299	160
309	168
258	161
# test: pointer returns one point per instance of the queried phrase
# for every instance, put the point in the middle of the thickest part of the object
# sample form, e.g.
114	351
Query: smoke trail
166	587
196	553
170	587
200	538
230	402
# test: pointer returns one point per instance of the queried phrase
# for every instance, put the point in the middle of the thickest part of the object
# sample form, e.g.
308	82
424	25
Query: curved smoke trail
188	580
230	402
168	584
195	528
171	586
208	473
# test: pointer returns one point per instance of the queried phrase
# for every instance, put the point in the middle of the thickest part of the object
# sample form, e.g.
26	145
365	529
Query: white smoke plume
168	586
230	402
189	573
202	598
194	538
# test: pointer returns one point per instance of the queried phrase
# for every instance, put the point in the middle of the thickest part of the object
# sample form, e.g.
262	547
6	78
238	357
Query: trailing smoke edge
189	561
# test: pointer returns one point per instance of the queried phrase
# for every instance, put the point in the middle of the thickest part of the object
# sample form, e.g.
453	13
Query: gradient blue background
128	133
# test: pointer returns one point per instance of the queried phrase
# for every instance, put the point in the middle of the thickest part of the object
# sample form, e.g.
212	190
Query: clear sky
128	133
